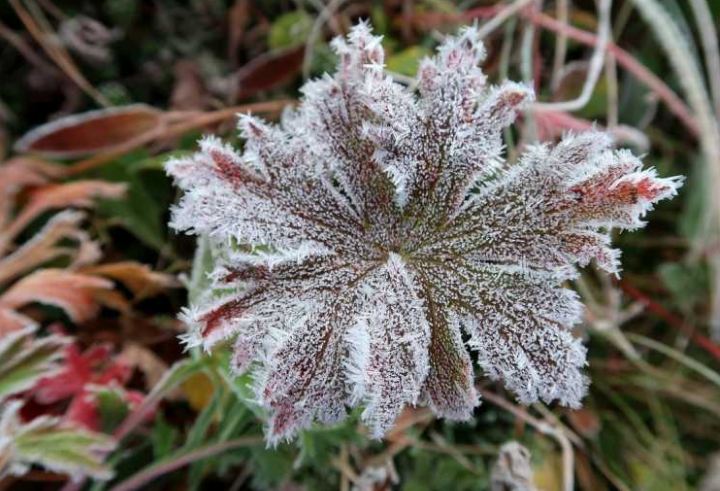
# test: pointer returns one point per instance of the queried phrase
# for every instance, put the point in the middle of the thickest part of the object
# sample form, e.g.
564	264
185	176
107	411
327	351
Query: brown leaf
585	421
21	172
17	174
12	321
74	293
90	132
44	247
268	71
146	361
72	194
138	278
189	92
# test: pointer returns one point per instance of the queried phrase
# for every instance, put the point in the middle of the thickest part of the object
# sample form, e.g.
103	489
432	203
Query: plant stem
153	472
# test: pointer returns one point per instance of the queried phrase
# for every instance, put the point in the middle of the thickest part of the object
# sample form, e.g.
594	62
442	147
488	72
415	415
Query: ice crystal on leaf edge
390	225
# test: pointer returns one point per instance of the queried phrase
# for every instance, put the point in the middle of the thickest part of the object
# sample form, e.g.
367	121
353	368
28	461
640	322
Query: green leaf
177	374
163	437
436	472
688	282
289	30
693	223
319	445
271	467
24	359
112	406
46	442
198	433
407	61
142	210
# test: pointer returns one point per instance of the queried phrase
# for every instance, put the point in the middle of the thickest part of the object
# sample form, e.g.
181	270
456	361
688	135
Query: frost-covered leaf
24	359
363	239
46	442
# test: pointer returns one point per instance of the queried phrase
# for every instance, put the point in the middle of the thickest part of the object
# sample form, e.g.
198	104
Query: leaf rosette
388	238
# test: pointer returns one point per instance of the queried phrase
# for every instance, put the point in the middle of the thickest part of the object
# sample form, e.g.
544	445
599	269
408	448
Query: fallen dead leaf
91	132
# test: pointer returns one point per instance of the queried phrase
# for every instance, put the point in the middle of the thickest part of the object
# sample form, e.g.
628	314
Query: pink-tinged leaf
383	226
84	411
92	132
552	125
44	246
142	281
78	194
21	172
17	174
12	321
74	293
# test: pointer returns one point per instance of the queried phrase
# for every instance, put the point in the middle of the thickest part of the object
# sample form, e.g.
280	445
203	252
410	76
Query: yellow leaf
199	390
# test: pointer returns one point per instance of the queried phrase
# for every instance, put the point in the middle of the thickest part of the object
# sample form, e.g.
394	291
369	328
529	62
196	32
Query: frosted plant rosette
394	225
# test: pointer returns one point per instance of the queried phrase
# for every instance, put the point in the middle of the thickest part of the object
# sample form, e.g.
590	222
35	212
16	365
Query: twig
561	11
675	104
689	75
347	473
19	43
498	18
689	362
530	129
596	64
324	15
450	450
543	427
673	320
612	90
55	51
153	472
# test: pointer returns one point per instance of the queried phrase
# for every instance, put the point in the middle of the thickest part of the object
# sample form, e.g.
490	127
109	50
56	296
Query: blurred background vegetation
178	69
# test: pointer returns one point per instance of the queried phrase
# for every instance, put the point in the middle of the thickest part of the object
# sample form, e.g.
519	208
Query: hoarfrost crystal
387	237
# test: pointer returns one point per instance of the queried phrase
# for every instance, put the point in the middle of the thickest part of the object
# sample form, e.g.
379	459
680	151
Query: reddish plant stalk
673	320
